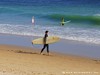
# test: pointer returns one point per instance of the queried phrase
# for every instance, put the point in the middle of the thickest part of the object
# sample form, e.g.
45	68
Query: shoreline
68	47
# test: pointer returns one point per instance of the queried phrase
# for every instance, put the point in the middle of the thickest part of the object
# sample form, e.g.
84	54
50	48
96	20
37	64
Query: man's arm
44	39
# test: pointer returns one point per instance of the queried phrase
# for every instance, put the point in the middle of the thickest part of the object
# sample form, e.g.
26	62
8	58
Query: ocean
84	15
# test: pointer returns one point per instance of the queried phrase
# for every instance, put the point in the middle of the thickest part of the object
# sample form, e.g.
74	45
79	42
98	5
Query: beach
76	53
69	47
16	60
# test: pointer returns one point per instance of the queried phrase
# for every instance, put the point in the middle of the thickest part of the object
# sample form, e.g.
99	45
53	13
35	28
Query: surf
76	18
89	35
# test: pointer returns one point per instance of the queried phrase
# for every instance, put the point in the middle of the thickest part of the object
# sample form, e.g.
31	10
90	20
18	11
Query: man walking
45	45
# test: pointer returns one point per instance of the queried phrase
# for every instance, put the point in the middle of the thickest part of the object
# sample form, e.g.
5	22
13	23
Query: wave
96	14
95	19
69	33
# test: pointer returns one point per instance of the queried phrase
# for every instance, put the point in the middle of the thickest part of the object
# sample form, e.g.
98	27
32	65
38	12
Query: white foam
96	14
70	33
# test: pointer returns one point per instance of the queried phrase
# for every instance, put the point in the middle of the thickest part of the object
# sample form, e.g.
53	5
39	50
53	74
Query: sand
16	60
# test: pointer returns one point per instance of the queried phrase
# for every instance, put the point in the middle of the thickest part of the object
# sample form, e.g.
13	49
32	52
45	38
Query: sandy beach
16	60
75	22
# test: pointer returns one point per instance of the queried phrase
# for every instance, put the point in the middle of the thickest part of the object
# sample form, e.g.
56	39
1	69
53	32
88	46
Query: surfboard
66	21
50	40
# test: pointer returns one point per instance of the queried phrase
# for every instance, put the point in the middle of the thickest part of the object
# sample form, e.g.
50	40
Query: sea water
84	17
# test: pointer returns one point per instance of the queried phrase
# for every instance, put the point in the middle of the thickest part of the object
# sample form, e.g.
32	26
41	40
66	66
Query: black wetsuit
62	24
45	45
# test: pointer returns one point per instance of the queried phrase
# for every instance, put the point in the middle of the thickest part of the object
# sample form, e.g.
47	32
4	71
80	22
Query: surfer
62	21
33	20
45	45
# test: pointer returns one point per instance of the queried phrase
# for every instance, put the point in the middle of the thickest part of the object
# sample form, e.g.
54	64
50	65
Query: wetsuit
62	22
45	45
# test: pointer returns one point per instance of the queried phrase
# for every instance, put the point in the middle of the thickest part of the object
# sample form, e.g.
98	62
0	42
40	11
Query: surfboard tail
32	43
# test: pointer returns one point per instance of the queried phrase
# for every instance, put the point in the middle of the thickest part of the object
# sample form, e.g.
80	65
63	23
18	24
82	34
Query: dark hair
46	31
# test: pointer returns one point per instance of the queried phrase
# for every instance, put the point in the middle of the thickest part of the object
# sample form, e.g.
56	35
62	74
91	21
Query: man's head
46	31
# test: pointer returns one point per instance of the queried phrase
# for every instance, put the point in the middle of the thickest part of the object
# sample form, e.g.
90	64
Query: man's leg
47	48
43	48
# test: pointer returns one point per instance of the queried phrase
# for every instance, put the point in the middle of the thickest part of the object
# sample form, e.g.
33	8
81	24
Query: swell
75	18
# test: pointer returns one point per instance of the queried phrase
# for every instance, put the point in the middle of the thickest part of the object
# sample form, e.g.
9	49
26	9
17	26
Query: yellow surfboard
50	39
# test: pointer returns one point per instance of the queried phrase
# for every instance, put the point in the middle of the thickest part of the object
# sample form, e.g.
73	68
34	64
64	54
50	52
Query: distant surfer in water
45	45
33	20
62	21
